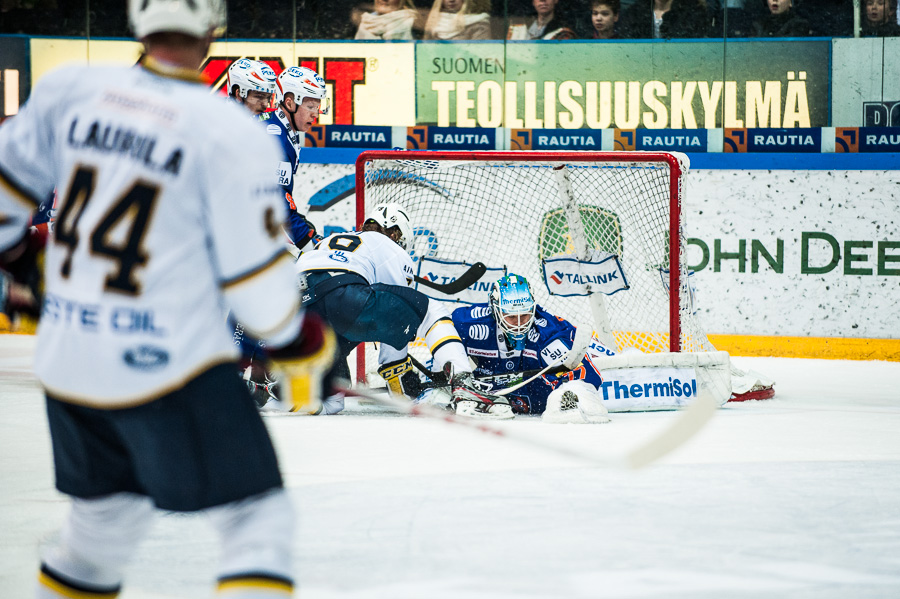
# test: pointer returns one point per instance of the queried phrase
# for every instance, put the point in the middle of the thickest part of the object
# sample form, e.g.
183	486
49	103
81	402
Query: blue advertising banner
452	138
784	140
671	140
556	139
348	136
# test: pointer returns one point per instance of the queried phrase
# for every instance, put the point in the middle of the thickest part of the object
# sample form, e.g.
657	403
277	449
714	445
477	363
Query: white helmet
197	18
392	215
251	75
303	83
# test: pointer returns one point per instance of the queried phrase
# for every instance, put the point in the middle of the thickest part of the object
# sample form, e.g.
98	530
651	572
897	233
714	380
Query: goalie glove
303	369
23	274
401	379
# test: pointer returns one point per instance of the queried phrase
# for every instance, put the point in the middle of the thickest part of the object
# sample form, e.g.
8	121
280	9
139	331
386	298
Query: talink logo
557	277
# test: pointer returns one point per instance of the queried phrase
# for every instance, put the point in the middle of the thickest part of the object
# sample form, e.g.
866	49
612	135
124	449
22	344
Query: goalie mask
388	216
512	304
303	83
251	75
197	18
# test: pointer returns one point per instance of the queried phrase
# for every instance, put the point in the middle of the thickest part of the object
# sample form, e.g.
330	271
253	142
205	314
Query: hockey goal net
546	215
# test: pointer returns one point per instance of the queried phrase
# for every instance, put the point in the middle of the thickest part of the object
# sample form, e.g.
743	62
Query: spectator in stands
391	20
43	17
781	21
879	18
548	24
735	17
458	20
828	17
604	16
666	19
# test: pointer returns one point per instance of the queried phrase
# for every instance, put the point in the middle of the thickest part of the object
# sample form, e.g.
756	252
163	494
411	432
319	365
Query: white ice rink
795	497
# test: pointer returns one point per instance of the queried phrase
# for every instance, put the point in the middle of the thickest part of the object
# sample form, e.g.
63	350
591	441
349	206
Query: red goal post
524	211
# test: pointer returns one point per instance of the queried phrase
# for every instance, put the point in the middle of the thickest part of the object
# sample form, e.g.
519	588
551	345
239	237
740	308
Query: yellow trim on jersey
437	322
243	278
440	342
164	70
831	348
66	591
16	192
256	582
130	402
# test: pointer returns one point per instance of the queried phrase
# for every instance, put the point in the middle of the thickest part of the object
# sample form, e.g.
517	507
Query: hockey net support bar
617	194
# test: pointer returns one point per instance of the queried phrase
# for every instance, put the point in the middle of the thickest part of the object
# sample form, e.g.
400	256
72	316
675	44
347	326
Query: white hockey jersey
372	255
168	217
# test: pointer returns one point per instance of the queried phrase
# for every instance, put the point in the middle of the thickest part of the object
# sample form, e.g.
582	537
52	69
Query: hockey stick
688	422
439	379
467	279
580	344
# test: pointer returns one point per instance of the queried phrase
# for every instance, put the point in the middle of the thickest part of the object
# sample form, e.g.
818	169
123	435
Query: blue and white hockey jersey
298	228
548	341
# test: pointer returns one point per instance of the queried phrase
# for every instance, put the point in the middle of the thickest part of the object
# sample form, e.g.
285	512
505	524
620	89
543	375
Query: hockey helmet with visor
303	83
512	304
251	75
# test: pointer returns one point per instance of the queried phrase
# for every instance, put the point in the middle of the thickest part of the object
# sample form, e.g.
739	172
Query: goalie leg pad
575	402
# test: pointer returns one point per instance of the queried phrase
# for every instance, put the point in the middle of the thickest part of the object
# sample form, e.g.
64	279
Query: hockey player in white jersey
360	284
251	83
156	238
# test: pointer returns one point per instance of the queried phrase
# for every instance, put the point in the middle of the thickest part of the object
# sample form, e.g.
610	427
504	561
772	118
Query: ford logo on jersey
146	357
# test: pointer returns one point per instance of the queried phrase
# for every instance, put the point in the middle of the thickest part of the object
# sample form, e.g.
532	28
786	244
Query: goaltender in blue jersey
512	334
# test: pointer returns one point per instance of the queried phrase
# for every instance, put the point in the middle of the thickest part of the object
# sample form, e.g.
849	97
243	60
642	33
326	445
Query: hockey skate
471	401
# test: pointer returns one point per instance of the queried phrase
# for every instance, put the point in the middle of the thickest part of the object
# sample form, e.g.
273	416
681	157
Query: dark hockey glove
311	237
303	370
401	379
23	266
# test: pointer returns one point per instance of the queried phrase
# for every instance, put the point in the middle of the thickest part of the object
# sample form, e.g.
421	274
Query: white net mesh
511	214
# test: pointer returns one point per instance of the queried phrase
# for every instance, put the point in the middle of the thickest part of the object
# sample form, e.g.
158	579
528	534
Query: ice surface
795	497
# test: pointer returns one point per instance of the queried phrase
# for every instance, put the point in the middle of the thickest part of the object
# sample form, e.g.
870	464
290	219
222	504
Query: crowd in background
483	19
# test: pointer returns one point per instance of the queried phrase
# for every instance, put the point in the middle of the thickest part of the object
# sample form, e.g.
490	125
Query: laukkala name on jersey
115	139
